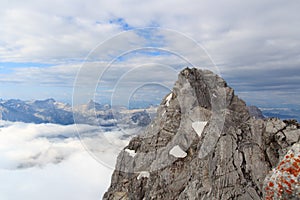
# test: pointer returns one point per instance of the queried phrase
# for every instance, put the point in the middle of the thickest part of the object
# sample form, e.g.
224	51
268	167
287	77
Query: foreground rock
203	145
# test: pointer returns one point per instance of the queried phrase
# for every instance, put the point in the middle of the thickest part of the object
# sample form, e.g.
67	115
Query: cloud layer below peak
47	161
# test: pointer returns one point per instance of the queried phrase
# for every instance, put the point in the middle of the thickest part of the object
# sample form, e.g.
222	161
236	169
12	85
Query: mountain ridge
51	111
204	144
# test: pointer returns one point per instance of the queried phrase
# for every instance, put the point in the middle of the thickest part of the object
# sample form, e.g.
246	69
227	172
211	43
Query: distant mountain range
93	113
282	113
45	111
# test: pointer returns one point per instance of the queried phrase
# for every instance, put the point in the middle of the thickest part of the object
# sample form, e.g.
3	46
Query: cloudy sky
255	45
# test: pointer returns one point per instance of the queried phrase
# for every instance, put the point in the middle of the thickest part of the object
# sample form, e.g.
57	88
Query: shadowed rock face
255	112
203	144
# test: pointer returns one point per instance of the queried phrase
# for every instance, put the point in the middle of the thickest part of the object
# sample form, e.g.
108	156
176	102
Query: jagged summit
203	144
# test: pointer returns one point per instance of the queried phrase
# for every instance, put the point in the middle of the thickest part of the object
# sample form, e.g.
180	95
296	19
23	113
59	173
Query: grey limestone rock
228	152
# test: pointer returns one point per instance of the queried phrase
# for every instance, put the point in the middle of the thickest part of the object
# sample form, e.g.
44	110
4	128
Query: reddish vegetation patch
283	181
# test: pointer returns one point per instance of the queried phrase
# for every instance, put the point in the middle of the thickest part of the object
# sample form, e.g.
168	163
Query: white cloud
80	177
67	29
47	161
27	145
33	35
248	39
57	75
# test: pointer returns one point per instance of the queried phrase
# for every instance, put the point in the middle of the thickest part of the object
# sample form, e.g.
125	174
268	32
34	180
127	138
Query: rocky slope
204	144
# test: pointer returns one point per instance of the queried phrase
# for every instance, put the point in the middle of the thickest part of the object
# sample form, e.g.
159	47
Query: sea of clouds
50	161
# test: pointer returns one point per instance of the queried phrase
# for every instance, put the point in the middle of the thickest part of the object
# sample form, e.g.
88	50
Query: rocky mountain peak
203	144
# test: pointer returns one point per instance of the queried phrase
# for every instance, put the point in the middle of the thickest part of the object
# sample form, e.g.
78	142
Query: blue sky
254	44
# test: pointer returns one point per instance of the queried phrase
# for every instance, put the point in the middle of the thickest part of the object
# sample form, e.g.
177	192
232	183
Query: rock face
141	118
203	144
255	112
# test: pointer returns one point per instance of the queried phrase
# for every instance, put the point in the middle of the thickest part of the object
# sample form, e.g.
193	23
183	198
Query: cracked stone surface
283	182
230	159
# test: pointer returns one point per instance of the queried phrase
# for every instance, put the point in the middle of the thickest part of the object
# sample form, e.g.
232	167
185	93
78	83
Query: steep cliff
204	144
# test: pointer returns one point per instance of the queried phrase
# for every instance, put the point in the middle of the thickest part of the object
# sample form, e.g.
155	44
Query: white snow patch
177	152
130	152
199	126
169	97
143	174
214	95
163	113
